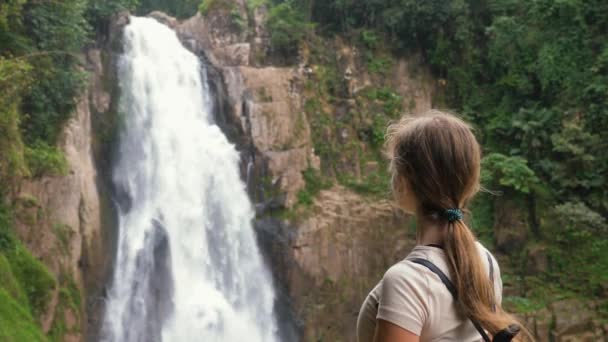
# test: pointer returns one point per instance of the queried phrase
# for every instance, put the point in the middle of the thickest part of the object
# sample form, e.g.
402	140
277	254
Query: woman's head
435	162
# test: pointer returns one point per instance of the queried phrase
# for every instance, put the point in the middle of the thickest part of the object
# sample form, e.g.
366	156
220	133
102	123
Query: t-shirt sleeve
497	282
404	297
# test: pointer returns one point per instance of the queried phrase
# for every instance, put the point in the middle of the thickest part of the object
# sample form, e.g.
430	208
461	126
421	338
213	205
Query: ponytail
476	297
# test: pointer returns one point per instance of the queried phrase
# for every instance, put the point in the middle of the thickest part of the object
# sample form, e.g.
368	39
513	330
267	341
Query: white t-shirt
414	298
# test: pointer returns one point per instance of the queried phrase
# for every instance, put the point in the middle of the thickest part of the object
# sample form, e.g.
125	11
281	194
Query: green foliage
14	79
177	8
482	218
314	184
576	227
15	76
10	10
6	236
379	65
10	284
370	39
50	36
255	4
208	5
35	279
43	159
25	289
522	305
237	19
12	162
16	323
98	12
11	20
287	27
508	171
69	299
63	232
205	6
391	103
47	38
376	184
51	100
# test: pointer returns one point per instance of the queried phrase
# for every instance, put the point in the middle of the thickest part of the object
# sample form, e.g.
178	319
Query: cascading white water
188	267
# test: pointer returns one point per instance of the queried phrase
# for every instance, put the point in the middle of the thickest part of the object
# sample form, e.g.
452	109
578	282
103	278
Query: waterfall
188	267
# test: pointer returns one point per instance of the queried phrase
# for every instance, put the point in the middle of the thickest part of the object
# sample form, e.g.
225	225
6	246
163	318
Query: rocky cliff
67	221
59	219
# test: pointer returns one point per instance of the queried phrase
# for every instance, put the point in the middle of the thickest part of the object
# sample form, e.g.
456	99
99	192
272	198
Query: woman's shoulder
401	270
405	273
487	256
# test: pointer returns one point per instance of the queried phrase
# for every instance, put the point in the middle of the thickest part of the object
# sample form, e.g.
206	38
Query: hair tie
452	215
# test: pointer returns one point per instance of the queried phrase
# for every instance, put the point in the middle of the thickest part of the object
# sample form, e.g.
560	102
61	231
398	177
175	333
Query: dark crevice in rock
105	124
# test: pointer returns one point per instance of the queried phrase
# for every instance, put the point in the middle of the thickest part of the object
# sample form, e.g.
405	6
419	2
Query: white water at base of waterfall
188	267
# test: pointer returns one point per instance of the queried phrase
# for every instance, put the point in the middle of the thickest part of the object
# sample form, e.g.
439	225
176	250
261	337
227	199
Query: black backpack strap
446	281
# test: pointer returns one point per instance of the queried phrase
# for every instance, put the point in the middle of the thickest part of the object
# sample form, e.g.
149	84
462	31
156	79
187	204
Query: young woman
435	163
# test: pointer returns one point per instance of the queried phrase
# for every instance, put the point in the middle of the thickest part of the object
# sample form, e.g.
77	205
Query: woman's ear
408	201
404	196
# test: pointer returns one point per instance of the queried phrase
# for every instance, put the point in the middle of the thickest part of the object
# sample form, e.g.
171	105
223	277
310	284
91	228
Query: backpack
505	335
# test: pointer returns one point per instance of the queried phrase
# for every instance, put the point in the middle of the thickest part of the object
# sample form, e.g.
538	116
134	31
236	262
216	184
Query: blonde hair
439	156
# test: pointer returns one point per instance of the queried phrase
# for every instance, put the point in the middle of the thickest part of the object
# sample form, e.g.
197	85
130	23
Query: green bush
379	64
508	171
34	278
9	283
63	233
16	323
7	240
98	12
287	27
376	184
69	299
314	184
575	227
208	5
482	218
370	39
43	159
14	79
25	289
522	305
252	5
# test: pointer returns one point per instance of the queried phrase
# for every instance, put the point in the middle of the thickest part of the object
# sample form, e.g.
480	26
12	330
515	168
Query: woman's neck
429	231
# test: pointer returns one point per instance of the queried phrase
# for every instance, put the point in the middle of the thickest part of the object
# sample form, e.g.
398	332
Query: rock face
569	320
340	252
266	103
59	217
68	221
